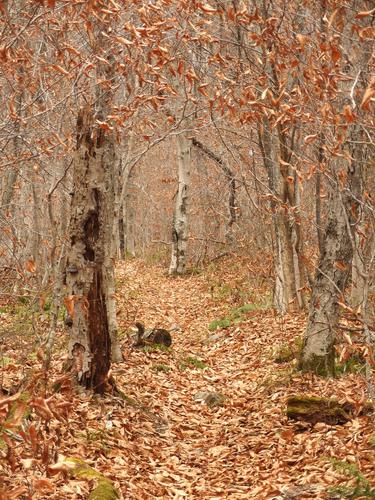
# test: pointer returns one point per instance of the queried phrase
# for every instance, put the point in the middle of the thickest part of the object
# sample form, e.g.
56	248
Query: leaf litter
156	439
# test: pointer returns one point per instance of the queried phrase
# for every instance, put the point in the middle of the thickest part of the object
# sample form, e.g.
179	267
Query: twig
53	189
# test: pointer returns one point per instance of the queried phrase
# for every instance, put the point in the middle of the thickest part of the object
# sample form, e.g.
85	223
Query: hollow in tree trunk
90	236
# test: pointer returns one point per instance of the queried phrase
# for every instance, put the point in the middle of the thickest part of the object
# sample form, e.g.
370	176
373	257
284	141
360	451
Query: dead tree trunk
90	236
93	245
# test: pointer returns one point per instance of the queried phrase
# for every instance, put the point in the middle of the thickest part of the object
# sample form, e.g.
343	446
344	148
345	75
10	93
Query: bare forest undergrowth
159	438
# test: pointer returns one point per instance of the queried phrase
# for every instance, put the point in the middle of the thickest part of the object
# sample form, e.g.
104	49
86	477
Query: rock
214	338
210	398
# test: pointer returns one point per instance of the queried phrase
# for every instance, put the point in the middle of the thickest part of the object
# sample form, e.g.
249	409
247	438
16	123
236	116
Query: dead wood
329	411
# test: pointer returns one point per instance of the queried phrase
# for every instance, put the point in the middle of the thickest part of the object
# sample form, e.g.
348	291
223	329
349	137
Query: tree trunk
285	293
180	218
6	206
121	234
330	281
111	253
362	276
335	262
90	236
299	265
94	223
124	204
318	192
57	261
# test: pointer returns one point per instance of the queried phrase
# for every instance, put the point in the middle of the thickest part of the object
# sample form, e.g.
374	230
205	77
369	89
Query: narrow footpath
241	445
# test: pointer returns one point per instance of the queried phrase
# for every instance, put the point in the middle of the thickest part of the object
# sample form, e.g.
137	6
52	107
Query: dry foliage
154	439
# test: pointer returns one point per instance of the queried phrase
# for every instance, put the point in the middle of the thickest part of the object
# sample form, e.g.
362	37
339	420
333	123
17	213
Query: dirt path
242	449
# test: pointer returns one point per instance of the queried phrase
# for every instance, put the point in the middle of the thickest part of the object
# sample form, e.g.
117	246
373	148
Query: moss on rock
104	489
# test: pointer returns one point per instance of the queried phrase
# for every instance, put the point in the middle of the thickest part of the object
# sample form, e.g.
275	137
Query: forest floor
161	440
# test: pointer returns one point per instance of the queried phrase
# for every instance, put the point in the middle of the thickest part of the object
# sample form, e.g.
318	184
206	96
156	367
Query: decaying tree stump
329	411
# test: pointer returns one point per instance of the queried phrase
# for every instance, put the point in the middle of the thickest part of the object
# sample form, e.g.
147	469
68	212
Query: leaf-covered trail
179	447
157	440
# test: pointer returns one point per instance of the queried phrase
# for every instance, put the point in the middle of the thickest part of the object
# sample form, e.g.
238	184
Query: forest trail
244	448
158	440
203	452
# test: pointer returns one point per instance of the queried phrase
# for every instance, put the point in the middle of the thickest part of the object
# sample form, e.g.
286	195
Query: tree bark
362	276
180	218
6	207
330	281
124	204
285	292
90	236
335	262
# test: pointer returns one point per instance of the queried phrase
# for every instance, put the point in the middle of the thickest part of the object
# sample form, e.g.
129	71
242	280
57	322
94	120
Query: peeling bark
90	234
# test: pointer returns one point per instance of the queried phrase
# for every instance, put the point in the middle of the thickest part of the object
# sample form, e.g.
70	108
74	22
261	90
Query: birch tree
180	228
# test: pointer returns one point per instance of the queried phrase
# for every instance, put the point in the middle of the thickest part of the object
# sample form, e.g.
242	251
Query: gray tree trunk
330	281
335	262
180	218
124	204
363	276
7	191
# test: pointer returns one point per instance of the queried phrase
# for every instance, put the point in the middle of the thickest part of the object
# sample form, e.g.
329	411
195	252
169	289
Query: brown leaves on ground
157	441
